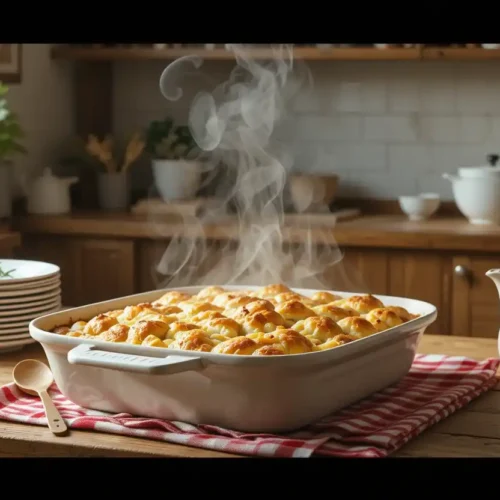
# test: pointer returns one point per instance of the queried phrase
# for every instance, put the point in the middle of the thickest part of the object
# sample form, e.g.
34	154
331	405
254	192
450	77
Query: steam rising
243	239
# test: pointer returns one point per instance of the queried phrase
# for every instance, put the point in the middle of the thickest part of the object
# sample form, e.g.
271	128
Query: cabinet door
105	269
10	244
475	303
195	267
422	276
58	250
360	270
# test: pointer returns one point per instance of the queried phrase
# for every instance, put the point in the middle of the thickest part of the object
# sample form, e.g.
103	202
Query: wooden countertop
471	432
8	241
383	231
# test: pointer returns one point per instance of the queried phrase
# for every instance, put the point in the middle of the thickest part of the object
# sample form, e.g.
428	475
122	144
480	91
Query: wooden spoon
34	377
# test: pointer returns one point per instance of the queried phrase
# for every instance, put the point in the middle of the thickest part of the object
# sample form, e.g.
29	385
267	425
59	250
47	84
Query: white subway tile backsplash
435	183
477	91
474	129
403	96
362	96
359	155
410	158
437	129
438	97
380	185
306	102
494	136
390	129
311	156
446	158
328	128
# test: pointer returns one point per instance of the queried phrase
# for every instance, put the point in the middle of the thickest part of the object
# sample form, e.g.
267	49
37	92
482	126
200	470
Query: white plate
12	331
27	270
30	299
32	292
23	322
17	336
21	310
29	285
15	345
15	318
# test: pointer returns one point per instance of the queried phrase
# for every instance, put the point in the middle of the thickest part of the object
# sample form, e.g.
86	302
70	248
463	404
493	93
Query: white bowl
421	206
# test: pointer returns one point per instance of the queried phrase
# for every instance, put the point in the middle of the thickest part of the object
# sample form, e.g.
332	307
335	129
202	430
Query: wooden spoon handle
56	423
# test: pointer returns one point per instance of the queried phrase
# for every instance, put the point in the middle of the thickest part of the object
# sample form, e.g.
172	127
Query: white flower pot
5	192
177	179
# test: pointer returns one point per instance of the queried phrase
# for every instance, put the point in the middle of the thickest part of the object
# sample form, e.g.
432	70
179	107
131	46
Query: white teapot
49	194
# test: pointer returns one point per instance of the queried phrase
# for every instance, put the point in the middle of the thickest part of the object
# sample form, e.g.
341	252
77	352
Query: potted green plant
11	134
175	159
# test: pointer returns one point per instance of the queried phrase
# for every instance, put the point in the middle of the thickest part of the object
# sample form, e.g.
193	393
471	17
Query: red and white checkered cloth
435	387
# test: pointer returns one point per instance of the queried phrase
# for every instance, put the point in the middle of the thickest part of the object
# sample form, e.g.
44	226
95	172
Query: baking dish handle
89	355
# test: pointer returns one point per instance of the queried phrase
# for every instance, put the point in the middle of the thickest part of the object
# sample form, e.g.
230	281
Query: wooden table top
473	431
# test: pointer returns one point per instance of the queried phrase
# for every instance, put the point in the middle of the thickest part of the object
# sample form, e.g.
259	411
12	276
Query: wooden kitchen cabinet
423	276
151	274
92	269
360	270
58	250
475	302
106	269
95	269
418	275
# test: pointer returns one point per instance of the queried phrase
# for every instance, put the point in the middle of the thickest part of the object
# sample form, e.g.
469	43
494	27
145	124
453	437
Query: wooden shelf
459	54
305	53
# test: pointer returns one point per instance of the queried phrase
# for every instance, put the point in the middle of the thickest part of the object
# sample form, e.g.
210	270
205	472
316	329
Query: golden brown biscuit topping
270	321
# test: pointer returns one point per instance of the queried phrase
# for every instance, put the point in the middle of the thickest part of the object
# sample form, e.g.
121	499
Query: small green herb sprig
6	274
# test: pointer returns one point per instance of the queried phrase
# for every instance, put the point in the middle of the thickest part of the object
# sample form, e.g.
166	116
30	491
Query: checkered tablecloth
435	387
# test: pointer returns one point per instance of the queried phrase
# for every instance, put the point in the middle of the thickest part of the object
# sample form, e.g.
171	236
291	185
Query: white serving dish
246	393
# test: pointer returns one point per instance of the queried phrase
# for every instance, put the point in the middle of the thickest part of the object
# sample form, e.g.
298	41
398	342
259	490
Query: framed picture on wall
10	62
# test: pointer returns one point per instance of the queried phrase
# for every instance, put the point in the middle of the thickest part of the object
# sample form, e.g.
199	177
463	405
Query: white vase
5	192
177	179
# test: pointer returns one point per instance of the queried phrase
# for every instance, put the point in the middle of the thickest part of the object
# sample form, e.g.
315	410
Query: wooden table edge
23	440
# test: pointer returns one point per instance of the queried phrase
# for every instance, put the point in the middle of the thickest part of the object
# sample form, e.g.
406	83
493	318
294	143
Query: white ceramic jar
478	198
49	194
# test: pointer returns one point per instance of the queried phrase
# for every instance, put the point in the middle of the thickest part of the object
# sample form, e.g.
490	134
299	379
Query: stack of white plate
28	289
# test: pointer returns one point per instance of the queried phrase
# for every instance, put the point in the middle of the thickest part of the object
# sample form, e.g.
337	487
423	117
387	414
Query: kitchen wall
44	102
387	128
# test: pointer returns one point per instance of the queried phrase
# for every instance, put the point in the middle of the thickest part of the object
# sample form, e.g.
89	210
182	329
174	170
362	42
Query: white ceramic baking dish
246	393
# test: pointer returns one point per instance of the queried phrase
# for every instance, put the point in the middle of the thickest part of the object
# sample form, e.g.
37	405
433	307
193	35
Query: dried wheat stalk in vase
134	149
103	151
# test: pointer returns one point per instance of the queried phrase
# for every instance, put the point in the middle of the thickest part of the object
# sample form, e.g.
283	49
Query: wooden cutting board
323	219
195	207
